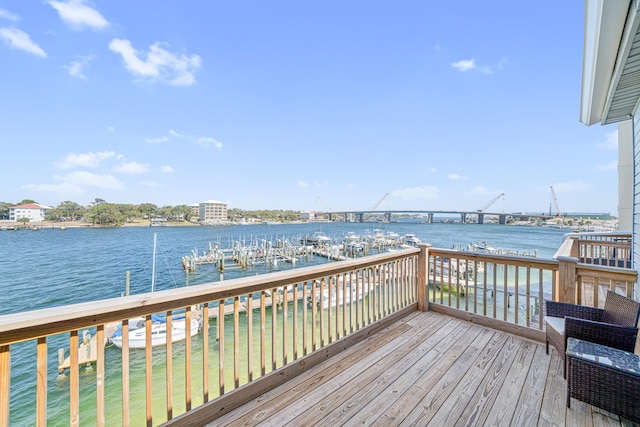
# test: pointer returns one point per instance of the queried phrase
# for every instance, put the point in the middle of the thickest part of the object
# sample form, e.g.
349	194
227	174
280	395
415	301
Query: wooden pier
87	350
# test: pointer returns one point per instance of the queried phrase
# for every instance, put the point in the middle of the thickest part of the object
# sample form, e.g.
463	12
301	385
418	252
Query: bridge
465	216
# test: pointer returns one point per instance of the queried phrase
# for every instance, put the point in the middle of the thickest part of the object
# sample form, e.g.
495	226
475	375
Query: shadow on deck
427	369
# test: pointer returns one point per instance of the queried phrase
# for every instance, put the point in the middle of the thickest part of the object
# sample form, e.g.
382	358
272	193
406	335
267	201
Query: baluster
249	315
169	364
205	352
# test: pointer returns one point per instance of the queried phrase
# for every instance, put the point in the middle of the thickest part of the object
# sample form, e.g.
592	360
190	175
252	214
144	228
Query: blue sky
302	105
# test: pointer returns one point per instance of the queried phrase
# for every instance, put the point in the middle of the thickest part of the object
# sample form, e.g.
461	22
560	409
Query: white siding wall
625	175
636	199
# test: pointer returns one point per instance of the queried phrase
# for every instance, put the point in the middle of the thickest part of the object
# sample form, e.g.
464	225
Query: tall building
34	212
212	211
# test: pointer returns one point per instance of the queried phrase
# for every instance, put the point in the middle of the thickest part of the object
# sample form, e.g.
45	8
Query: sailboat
138	330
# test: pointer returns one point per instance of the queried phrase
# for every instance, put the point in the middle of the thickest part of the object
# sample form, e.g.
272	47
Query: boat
411	239
318	239
137	326
482	247
138	331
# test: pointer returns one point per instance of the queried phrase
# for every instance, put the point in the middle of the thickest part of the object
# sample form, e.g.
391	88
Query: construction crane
376	204
488	205
555	201
319	199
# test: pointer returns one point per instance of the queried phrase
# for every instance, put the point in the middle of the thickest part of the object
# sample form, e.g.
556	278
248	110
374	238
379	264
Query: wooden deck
427	369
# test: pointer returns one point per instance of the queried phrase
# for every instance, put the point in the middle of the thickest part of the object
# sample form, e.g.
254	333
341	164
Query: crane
376	204
319	199
488	205
555	201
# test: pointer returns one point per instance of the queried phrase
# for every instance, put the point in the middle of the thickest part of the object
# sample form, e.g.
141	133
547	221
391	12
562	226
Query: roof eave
604	25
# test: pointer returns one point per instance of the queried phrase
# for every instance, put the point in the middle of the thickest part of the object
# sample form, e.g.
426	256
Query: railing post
567	289
423	272
5	383
574	250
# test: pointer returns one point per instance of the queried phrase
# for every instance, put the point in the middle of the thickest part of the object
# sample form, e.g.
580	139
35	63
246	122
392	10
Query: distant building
311	216
212	211
34	212
195	211
307	215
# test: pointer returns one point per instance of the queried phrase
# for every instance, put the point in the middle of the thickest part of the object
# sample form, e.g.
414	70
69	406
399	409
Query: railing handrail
34	324
605	235
499	258
613	273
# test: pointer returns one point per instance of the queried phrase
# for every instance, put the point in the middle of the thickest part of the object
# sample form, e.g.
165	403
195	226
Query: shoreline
597	225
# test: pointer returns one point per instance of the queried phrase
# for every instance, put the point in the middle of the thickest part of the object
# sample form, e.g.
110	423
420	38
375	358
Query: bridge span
465	216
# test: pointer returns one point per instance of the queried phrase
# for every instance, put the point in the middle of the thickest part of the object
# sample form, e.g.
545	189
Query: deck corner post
5	383
423	271
567	287
574	250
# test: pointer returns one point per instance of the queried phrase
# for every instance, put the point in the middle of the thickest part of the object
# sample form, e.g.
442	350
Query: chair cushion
555	323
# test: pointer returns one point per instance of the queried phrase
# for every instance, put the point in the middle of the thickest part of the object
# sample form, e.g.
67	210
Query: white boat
138	332
483	247
338	298
411	239
137	326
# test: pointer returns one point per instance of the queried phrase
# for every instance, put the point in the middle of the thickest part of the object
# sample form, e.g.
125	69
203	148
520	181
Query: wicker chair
616	325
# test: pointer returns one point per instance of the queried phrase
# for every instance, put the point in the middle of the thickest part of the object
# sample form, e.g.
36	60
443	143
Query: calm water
52	267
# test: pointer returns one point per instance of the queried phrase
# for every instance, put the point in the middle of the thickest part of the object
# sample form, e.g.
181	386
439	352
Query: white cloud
5	14
425	192
160	64
490	69
88	179
78	15
464	65
456	177
611	141
176	134
207	141
613	165
156	140
75	67
132	168
18	39
303	184
85	160
111	129
166	169
470	64
63	188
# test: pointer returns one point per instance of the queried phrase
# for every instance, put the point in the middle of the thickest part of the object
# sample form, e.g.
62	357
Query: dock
87	350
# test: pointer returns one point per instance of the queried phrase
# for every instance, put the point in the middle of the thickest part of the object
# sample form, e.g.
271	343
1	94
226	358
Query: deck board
428	369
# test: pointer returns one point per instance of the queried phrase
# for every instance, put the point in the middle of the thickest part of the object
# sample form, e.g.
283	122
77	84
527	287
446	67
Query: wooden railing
610	249
258	332
508	292
251	330
498	287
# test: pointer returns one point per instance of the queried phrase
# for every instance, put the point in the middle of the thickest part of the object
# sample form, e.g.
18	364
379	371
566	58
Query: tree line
101	212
